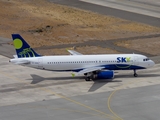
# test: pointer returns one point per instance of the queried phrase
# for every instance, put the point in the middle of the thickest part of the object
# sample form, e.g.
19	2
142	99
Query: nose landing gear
87	78
135	74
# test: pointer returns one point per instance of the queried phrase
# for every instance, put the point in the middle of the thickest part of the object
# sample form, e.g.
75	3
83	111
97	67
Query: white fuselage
79	62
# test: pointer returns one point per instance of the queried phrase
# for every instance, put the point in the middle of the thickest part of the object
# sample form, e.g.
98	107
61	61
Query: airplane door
40	63
136	61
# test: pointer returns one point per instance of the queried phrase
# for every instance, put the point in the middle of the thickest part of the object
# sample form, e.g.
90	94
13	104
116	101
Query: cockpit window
146	59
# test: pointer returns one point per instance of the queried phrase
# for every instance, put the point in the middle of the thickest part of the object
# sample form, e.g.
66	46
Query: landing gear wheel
135	74
87	78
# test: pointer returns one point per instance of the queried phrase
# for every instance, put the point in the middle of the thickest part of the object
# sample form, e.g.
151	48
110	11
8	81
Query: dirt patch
46	24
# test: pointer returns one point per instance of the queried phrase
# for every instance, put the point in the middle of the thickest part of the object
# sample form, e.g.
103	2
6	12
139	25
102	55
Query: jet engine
104	75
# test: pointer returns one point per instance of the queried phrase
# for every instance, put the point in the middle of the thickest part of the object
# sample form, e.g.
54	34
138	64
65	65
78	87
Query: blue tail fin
22	47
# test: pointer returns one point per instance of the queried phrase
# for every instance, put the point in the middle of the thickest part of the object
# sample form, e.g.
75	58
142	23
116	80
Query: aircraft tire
87	78
135	75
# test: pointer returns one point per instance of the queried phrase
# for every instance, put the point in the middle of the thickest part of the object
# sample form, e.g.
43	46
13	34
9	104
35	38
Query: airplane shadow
97	84
100	83
139	76
37	79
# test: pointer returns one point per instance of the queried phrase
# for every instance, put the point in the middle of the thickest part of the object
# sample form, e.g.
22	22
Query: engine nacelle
105	75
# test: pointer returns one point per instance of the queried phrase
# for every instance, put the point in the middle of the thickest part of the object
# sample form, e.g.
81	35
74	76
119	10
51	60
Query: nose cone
152	63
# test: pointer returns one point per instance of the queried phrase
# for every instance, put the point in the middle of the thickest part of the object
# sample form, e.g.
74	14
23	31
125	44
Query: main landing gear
93	75
87	76
135	74
90	76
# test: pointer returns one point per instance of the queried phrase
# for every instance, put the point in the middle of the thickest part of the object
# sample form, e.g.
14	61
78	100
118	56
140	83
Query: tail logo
18	43
23	52
27	53
22	47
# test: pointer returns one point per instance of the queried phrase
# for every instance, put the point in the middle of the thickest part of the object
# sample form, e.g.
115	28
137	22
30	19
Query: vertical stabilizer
22	47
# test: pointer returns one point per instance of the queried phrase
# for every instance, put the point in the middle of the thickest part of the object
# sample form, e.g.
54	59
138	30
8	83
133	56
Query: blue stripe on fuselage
122	67
116	67
111	67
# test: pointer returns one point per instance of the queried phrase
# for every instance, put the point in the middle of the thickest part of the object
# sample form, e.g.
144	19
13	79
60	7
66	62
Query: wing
91	69
73	52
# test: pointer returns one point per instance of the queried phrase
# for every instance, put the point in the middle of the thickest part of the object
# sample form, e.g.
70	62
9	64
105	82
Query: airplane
93	67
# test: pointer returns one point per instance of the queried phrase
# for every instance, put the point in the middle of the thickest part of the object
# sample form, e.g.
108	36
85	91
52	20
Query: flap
87	70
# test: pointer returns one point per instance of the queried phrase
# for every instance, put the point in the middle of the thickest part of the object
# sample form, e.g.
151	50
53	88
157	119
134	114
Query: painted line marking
66	98
111	95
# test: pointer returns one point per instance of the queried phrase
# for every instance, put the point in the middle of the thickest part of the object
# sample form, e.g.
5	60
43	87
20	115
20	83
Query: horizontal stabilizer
22	62
15	56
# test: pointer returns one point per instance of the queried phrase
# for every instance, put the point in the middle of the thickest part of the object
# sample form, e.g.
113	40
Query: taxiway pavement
147	12
144	7
28	93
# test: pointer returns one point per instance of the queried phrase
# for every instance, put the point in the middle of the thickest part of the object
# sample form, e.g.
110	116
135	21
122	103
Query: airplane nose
152	63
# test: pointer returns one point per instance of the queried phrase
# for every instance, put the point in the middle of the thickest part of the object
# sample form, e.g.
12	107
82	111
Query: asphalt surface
144	7
131	104
32	94
154	21
5	48
143	102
